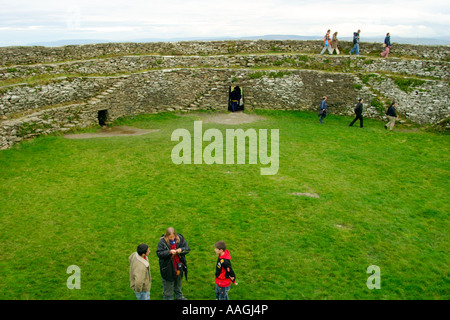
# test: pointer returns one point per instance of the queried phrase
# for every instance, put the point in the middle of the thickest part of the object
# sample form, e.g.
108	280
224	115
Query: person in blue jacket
387	40
355	43
323	109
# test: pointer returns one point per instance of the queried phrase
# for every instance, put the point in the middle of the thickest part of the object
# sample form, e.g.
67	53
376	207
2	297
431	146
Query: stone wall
10	56
58	94
26	98
131	64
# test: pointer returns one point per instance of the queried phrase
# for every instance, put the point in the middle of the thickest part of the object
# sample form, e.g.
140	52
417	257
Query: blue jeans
142	295
355	49
222	292
322	117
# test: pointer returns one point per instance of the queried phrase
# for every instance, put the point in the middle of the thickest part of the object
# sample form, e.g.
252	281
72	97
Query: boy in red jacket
224	273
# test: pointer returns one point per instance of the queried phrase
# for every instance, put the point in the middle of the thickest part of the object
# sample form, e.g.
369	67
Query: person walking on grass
140	278
358	113
171	251
224	272
392	116
327	43
323	109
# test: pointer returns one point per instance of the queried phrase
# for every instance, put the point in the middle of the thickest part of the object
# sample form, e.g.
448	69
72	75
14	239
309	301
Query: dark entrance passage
102	117
235	99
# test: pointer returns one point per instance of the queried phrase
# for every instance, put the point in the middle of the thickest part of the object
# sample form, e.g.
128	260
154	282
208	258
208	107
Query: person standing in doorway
358	112
355	43
171	251
235	98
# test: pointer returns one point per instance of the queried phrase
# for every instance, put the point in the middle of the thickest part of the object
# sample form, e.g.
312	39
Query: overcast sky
25	21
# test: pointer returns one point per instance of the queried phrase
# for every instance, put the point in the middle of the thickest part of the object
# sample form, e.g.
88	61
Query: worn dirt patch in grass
111	132
232	118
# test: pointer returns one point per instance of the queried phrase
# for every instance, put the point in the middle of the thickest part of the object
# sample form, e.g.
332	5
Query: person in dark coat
171	251
387	40
235	98
358	112
392	115
387	46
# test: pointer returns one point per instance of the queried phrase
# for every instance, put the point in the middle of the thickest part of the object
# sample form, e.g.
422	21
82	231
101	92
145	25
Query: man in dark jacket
358	112
392	116
171	251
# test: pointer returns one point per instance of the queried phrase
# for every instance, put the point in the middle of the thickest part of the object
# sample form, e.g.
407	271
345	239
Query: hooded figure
235	97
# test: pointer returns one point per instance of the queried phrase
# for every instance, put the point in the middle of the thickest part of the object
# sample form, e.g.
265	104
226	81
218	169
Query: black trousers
360	117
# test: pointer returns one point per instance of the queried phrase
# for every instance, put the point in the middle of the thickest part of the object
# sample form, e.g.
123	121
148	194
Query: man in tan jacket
140	278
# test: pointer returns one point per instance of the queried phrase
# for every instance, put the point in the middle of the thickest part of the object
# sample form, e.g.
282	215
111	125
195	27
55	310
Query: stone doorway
102	117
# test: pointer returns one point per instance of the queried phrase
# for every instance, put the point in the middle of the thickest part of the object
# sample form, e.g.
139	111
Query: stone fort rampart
44	89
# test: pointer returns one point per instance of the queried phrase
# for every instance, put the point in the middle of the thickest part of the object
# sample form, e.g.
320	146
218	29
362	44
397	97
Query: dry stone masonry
45	90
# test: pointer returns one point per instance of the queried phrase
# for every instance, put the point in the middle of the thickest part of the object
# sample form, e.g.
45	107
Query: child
224	273
140	278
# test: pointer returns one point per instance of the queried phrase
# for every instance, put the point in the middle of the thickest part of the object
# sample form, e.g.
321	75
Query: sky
24	22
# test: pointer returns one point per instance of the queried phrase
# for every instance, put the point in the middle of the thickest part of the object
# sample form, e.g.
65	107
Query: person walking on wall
387	46
392	116
334	43
140	278
323	109
358	113
171	251
387	40
326	43
355	43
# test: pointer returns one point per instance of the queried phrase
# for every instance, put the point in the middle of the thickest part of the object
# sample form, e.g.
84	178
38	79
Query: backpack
354	37
326	40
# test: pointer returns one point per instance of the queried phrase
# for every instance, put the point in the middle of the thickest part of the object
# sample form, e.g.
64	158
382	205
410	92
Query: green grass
383	201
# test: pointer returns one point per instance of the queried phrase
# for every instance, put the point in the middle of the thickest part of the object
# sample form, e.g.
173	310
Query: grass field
383	201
